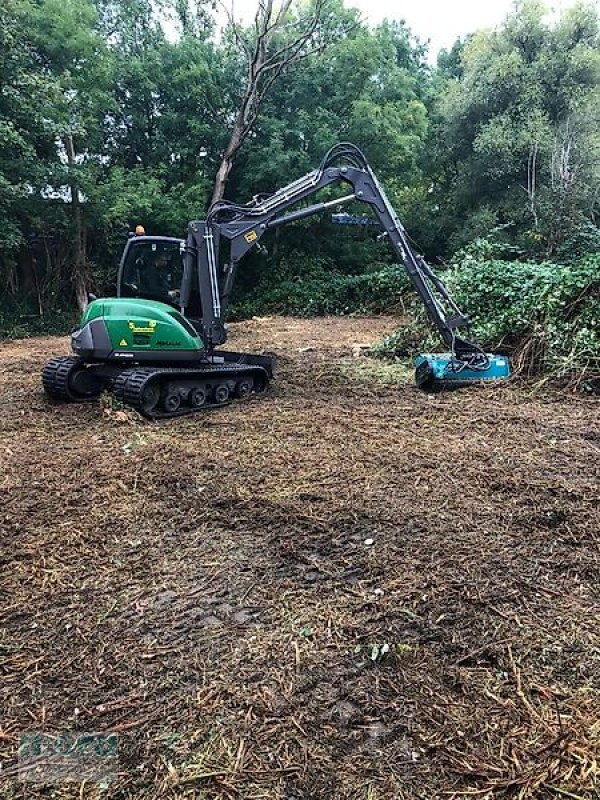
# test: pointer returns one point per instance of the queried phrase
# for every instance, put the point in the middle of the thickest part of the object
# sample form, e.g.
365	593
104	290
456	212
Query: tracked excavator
155	345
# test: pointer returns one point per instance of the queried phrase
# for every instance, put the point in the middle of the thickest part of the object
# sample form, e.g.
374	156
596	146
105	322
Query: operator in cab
152	275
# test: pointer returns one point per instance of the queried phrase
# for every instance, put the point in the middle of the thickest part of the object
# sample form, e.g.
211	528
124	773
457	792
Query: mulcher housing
444	371
155	344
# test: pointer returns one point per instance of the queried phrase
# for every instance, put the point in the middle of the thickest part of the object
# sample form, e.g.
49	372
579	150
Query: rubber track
55	376
130	384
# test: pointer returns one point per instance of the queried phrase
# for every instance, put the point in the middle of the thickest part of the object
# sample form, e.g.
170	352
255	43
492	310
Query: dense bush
546	315
21	320
318	288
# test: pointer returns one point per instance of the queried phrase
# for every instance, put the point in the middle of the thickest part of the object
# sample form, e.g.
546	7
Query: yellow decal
251	236
123	343
150	328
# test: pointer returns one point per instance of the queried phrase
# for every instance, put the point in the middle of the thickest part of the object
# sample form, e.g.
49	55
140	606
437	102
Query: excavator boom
242	226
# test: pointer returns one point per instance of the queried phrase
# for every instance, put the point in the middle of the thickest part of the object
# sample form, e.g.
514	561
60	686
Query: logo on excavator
251	236
148	329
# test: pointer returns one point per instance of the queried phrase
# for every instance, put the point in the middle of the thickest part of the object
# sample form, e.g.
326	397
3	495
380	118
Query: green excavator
155	345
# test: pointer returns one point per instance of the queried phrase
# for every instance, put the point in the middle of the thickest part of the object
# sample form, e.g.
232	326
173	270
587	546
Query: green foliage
405	342
367	87
19	321
515	137
546	315
26	131
320	289
583	240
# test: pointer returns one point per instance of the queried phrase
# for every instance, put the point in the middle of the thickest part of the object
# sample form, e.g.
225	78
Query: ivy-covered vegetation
118	112
547	315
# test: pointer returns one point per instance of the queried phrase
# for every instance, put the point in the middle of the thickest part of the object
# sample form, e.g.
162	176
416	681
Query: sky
439	21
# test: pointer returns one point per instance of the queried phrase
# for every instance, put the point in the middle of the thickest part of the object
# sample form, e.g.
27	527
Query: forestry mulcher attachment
155	345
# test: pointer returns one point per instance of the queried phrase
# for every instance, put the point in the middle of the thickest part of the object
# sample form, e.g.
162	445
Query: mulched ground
347	589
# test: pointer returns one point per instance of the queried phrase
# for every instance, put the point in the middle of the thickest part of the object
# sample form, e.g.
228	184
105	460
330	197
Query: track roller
221	393
171	399
243	388
197	397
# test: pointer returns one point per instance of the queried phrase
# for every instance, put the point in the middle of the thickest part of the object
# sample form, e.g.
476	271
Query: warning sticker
147	329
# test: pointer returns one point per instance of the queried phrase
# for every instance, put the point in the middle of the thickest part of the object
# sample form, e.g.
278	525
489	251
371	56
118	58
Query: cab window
153	270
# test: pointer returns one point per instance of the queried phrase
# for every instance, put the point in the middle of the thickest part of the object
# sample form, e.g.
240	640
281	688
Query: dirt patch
346	589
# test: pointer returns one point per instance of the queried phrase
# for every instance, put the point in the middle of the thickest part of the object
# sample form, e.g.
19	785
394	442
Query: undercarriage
160	392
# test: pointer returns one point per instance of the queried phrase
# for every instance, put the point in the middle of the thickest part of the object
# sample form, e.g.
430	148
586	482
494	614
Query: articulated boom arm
243	226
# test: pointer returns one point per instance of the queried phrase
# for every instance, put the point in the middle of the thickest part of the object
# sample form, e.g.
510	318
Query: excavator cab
151	268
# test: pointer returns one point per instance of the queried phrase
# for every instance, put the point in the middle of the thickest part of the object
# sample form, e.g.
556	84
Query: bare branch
267	60
235	27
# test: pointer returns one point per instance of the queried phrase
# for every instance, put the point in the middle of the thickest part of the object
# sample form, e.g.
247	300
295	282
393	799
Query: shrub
545	315
324	291
20	321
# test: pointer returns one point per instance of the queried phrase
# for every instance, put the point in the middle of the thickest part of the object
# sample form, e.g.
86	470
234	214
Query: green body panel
143	325
93	311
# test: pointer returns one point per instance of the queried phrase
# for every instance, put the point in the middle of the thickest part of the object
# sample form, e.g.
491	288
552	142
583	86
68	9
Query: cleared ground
346	589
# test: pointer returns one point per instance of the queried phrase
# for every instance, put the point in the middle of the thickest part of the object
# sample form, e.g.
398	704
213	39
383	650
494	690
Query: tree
27	143
74	55
366	88
279	38
521	102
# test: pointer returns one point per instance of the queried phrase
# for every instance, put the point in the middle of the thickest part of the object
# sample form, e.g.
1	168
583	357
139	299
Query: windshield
153	269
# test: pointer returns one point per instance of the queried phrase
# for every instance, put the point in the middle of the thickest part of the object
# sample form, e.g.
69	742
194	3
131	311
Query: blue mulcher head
445	371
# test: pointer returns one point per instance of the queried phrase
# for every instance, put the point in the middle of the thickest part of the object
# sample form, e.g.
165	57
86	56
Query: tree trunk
265	65
80	274
235	142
